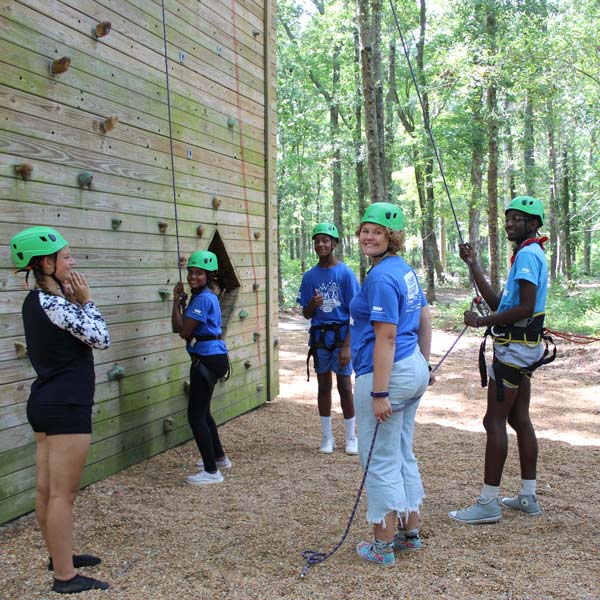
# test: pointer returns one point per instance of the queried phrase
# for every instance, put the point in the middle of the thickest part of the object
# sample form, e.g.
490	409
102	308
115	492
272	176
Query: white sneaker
327	445
352	446
205	478
222	463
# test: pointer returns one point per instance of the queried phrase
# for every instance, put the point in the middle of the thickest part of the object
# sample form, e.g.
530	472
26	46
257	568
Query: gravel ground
163	539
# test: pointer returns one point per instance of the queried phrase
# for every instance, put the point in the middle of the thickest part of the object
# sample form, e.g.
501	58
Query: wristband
379	394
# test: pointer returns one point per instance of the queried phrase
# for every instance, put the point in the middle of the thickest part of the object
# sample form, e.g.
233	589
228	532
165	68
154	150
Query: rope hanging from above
173	185
427	125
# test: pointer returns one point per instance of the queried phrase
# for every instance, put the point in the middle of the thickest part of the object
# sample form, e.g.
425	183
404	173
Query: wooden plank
233	226
146	64
48	151
52	120
17	370
133	192
192	120
190	27
77	140
131	48
24	479
23	502
36	192
138	391
217	28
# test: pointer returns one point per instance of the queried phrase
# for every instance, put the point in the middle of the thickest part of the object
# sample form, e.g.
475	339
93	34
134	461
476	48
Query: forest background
510	90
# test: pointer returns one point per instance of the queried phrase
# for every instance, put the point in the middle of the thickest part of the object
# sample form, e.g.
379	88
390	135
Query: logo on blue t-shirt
331	296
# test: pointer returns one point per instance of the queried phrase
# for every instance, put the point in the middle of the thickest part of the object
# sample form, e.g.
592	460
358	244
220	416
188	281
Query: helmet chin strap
55	278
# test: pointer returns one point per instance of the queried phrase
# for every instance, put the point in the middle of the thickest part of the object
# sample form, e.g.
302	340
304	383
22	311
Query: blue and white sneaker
401	542
366	551
483	511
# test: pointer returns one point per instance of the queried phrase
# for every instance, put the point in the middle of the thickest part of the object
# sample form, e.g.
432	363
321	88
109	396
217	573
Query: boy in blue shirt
516	326
325	294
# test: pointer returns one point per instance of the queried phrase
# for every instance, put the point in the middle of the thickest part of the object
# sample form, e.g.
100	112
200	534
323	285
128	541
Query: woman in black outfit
200	325
62	325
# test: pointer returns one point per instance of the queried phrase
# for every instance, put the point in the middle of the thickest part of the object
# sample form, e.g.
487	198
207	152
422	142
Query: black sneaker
79	583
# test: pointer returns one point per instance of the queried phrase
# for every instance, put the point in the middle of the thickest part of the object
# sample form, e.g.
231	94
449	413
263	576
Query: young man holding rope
516	326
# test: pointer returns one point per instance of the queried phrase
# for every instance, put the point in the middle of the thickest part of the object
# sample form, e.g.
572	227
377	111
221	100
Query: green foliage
570	307
574	308
291	276
534	65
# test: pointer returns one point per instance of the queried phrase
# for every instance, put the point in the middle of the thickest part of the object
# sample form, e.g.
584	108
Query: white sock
527	487
349	426
489	492
326	427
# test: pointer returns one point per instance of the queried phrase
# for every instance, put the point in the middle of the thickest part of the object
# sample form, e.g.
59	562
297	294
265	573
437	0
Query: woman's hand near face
78	289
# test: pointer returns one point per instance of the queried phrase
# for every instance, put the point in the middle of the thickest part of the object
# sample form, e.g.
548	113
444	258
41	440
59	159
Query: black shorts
59	419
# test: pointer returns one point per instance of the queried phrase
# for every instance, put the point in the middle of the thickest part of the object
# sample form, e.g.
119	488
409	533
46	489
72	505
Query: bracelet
379	394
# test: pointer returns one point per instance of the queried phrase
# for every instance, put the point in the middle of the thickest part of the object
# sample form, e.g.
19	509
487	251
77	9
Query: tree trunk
389	119
336	168
430	249
587	226
552	211
359	162
509	152
369	18
565	222
477	155
492	179
529	147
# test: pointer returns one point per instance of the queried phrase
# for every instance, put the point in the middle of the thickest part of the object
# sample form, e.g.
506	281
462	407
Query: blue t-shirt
391	293
338	285
204	307
530	265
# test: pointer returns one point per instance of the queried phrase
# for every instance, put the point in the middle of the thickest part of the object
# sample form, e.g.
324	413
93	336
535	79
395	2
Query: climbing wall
139	161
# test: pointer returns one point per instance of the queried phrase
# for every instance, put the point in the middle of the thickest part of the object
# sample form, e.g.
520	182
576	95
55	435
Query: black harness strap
207	338
531	332
210	377
319	342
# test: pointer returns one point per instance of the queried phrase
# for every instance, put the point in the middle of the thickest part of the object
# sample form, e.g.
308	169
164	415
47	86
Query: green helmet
529	205
203	259
35	241
384	214
326	228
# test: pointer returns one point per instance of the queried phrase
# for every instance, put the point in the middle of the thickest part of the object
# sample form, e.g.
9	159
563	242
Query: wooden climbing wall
100	139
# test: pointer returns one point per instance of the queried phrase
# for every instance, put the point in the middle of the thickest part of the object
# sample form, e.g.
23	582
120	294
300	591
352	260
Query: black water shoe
79	583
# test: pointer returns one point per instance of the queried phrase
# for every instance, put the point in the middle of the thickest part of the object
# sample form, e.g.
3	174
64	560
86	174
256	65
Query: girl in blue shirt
200	325
390	345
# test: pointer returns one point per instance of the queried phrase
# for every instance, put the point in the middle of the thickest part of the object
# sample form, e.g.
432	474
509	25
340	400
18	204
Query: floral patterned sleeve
84	322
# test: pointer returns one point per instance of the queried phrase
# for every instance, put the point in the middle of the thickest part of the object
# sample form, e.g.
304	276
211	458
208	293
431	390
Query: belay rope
164	24
313	557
